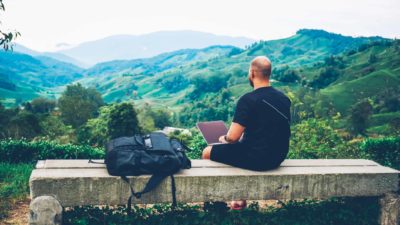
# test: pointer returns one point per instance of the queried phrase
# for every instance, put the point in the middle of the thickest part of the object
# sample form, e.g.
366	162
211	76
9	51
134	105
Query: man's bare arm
235	132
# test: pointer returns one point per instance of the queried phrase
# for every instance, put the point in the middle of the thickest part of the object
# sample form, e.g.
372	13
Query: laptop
212	130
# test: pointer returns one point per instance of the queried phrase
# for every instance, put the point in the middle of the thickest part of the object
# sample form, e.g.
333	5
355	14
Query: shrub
307	212
385	151
22	151
316	139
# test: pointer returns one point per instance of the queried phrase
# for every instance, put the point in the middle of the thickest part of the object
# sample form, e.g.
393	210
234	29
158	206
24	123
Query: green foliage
385	151
387	100
24	125
197	145
360	115
174	83
53	129
123	121
40	105
151	119
286	75
78	104
22	151
6	37
316	139
327	76
95	131
214	106
307	212
207	84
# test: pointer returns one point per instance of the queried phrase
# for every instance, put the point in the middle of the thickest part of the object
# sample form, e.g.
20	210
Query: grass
14	185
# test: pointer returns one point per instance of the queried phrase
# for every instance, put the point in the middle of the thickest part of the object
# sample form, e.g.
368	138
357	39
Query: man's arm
235	132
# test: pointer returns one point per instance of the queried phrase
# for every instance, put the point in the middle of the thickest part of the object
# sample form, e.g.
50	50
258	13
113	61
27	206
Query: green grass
14	184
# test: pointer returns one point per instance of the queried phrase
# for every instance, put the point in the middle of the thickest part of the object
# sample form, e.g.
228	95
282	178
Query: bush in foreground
307	212
385	151
22	151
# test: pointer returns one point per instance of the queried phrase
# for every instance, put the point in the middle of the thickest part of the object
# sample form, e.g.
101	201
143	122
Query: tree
315	139
372	58
5	36
95	131
327	76
360	114
54	129
41	105
123	121
78	104
5	117
24	125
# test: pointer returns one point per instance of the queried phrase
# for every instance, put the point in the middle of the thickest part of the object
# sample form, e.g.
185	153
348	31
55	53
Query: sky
48	25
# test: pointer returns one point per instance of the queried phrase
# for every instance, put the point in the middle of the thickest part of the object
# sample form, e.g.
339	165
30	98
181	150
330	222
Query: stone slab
74	184
83	163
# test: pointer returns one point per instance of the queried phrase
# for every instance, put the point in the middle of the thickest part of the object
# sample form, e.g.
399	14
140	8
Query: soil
18	214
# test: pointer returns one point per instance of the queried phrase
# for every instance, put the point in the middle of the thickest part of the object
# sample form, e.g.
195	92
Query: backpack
153	154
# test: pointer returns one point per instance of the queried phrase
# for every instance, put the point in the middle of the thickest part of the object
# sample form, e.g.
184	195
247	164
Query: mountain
55	55
23	77
117	80
155	82
168	79
122	47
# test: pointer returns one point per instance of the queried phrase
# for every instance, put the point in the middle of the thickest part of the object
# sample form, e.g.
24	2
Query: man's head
260	70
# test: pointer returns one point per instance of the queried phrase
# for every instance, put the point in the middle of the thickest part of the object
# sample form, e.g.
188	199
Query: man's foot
238	205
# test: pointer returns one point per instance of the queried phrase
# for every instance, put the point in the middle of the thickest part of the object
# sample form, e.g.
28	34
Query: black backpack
153	154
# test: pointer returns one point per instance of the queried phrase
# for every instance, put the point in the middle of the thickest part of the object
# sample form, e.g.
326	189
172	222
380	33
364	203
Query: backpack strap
153	182
91	161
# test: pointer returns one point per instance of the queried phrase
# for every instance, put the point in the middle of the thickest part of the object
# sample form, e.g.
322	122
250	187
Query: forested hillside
24	77
203	84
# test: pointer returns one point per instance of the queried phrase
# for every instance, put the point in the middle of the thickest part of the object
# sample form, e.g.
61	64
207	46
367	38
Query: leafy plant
350	211
23	151
385	151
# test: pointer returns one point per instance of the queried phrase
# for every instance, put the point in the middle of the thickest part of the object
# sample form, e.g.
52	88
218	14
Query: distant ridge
122	47
55	55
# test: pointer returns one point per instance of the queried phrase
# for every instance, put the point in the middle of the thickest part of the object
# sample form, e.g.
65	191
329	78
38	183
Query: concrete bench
57	183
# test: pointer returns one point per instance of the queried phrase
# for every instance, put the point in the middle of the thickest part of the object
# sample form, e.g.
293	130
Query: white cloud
45	23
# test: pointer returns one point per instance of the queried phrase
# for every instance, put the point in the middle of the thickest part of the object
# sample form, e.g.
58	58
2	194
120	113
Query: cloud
45	23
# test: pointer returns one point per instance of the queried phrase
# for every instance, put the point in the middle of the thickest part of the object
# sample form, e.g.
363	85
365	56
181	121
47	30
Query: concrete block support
390	209
45	210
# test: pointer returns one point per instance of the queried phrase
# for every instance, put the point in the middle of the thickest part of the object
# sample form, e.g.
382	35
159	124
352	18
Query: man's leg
236	205
206	153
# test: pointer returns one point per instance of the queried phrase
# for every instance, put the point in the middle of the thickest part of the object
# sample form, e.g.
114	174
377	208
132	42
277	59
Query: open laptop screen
212	130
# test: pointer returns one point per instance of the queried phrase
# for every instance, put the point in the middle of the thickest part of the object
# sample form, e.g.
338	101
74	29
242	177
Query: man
258	138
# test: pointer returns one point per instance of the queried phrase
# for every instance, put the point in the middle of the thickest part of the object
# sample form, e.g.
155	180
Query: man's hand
222	139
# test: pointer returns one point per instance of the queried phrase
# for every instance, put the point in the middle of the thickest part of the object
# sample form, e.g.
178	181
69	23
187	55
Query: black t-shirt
265	113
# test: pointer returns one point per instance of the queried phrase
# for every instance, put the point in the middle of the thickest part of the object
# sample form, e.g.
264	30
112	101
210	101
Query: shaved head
262	65
260	71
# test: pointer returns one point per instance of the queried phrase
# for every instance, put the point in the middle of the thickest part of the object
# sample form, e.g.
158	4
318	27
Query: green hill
24	77
155	79
363	74
168	79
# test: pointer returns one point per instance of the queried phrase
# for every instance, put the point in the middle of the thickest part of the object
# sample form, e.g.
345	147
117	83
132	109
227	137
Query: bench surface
77	182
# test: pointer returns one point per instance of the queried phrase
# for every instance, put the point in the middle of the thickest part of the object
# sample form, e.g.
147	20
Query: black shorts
240	155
